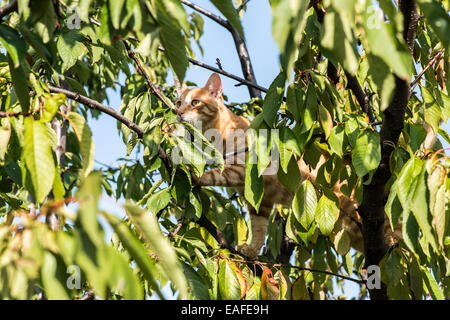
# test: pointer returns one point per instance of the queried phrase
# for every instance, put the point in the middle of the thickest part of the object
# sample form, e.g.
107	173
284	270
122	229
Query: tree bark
372	206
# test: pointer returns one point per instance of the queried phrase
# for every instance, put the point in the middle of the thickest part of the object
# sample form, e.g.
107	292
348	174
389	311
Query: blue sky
217	43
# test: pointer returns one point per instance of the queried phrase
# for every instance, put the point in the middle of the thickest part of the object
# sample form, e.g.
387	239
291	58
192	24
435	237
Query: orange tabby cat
205	106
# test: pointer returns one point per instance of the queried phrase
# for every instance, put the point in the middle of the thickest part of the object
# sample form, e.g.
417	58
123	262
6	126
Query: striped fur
205	106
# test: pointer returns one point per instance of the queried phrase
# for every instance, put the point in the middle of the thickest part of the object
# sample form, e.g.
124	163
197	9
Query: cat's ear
214	86
179	88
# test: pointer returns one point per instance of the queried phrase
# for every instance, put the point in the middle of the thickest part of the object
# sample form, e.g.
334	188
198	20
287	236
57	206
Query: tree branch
223	72
372	206
243	4
8	8
260	263
361	97
92	104
241	47
430	63
224	23
153	88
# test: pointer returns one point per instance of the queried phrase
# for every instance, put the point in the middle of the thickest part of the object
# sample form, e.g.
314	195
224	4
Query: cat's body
205	106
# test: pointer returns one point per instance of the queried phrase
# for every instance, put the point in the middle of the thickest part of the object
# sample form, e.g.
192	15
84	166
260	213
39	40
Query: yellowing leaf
270	289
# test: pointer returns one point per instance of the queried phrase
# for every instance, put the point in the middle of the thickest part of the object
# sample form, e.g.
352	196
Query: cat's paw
247	251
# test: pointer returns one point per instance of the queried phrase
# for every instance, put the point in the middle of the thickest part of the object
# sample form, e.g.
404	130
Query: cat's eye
195	103
178	103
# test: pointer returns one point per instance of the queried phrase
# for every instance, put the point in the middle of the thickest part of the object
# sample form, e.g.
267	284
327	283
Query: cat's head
201	105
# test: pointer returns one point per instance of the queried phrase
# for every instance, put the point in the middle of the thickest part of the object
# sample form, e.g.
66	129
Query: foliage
162	238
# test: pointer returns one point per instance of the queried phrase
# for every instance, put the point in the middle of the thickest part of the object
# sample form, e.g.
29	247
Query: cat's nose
180	112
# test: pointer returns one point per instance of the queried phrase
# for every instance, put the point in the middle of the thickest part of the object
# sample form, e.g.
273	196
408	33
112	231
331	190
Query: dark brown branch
8	8
241	48
243	4
92	104
223	72
216	233
372	206
153	88
361	97
224	23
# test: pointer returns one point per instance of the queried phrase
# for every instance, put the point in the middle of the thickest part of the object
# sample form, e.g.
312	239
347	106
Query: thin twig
241	48
175	232
207	13
243	4
155	90
430	63
219	64
222	72
254	262
5	114
92	104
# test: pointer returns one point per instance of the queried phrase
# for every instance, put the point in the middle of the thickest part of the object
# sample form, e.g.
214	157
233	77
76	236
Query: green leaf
273	99
393	206
308	113
84	136
289	141
197	288
123	278
292	178
135	249
432	286
116	11
83	7
325	120
148	227
191	155
342	242
70	48
441	219
432	111
38	158
175	10
384	80
89	194
213	155
254	183
230	286
437	18
227	8
54	288
159	200
19	78
382	42
366	154
45	25
338	40
174	45
305	203
336	140
392	268
5	134
298	289
419	207
289	21
327	212
13	43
